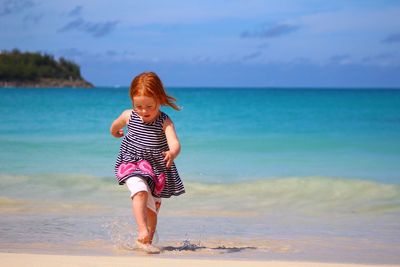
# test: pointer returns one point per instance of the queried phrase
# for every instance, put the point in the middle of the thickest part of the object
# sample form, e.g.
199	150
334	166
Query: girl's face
146	107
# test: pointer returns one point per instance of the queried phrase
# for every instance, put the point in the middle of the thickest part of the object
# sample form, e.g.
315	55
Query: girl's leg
145	220
151	223
139	207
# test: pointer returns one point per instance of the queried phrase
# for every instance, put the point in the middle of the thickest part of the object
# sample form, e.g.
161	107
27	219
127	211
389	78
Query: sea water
271	173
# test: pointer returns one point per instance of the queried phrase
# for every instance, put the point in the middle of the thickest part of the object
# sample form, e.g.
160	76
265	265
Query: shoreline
292	228
46	83
49	260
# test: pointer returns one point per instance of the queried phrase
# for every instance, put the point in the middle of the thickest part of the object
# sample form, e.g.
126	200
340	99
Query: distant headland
33	69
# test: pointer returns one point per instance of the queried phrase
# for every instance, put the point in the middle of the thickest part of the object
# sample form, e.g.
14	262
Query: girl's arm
173	143
117	126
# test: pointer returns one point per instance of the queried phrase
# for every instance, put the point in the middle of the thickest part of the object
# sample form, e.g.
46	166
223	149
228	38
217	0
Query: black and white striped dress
147	141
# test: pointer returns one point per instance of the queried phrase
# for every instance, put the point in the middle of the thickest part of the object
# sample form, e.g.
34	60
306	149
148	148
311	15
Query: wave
296	194
311	195
53	193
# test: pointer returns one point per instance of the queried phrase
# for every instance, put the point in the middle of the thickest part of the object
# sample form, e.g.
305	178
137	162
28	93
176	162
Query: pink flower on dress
160	184
126	168
145	167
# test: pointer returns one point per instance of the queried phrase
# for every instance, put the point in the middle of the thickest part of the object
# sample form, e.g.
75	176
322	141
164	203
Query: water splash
121	233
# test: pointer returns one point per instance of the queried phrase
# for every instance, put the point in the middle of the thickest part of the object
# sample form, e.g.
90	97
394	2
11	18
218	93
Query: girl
145	162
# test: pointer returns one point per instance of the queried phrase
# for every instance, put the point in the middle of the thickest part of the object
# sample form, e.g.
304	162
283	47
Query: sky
237	43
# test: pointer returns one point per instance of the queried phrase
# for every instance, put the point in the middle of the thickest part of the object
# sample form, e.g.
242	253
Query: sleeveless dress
141	155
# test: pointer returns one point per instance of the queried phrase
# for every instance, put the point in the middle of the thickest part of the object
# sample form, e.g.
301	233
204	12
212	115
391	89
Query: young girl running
145	162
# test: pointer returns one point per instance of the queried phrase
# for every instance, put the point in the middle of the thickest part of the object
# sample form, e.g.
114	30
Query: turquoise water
226	134
276	169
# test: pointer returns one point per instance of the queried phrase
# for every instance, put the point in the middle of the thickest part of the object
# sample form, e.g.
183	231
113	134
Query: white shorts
136	184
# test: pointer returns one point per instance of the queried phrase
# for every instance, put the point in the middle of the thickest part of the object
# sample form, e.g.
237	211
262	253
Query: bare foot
147	247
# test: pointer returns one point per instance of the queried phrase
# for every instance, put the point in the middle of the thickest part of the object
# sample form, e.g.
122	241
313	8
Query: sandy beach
16	259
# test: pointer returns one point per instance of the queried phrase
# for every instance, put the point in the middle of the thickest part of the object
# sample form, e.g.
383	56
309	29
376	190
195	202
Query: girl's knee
140	195
158	205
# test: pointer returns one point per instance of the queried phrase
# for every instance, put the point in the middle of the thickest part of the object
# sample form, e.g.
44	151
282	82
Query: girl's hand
168	158
119	133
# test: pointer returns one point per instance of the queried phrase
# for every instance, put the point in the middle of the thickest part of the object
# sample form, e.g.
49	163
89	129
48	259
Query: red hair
149	84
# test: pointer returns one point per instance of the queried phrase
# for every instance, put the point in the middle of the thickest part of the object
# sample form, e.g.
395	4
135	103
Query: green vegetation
31	67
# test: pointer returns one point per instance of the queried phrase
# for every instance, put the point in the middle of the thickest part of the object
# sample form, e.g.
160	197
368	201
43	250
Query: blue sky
295	43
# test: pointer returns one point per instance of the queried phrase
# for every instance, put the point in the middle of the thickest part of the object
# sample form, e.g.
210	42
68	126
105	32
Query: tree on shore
29	66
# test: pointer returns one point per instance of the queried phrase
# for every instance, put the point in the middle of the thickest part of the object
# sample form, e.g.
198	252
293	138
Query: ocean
270	173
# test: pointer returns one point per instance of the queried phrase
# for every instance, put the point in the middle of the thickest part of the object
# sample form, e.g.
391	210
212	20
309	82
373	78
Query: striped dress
147	142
